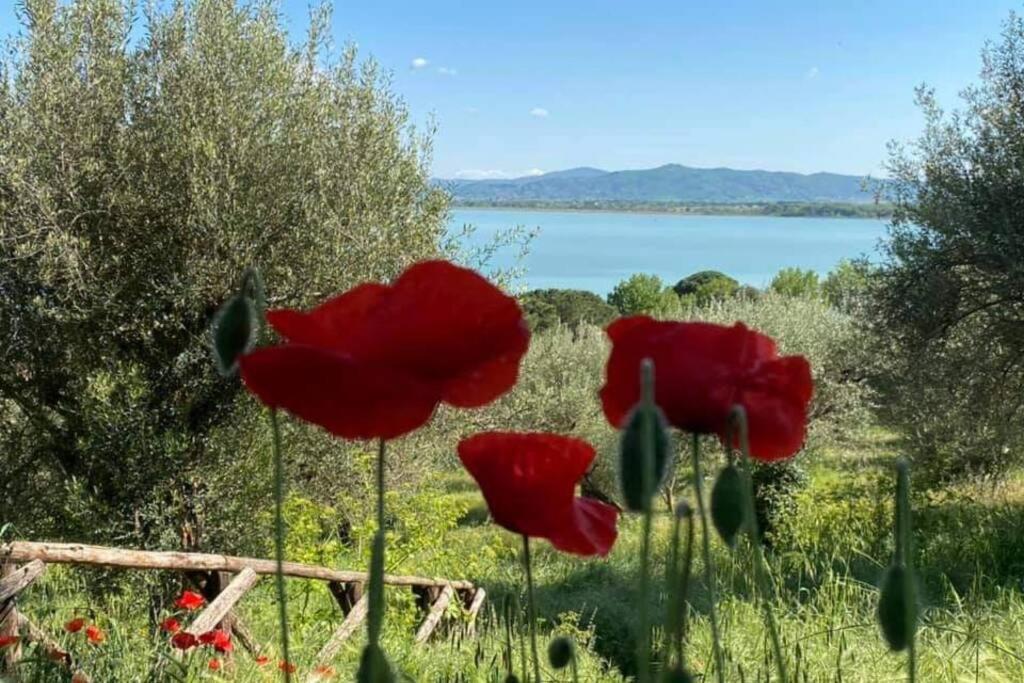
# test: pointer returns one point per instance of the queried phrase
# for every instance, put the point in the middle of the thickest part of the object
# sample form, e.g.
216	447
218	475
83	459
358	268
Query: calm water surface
596	250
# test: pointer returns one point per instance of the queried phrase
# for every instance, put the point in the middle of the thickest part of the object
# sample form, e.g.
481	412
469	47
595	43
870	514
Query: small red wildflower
190	600
8	641
324	671
376	361
80	677
184	640
170	625
262	660
75	625
701	371
529	483
218	638
214	664
95	634
287	666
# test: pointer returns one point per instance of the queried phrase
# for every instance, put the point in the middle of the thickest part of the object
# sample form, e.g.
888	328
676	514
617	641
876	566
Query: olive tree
949	299
138	178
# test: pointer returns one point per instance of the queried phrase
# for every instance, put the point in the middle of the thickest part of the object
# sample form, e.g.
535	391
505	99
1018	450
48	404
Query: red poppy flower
170	625
214	664
190	600
701	371
529	483
80	677
94	634
218	638
184	641
377	360
8	641
324	671
75	625
262	660
287	666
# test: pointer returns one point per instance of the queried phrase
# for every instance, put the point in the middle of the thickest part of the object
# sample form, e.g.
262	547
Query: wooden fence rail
224	580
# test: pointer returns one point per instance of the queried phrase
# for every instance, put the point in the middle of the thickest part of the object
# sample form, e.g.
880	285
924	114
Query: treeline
843	288
783	209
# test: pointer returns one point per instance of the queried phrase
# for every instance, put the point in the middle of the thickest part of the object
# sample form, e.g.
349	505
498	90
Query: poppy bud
897	607
374	667
640	424
684	510
676	674
235	329
561	652
727	504
511	678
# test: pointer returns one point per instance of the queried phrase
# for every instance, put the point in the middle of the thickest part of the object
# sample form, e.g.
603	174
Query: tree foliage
705	286
795	282
949	304
138	178
546	308
645	294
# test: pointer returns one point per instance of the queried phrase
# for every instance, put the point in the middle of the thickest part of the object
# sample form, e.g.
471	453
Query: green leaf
897	607
727	504
645	425
235	330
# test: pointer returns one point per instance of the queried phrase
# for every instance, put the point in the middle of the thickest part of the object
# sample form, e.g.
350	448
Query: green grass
826	558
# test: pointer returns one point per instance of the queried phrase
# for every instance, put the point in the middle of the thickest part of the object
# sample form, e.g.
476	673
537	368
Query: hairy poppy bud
561	652
374	667
897	607
235	329
684	510
646	423
511	678
727	504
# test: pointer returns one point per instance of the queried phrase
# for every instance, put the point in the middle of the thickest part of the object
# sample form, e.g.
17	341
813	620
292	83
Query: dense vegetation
138	178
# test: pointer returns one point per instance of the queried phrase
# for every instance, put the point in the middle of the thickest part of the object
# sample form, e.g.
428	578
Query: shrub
546	308
795	282
706	286
645	294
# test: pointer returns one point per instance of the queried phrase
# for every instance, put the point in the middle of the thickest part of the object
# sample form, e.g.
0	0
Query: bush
137	179
705	286
546	308
795	282
645	294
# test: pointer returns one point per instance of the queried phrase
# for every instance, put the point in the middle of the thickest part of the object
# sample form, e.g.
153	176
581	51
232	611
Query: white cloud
447	71
539	112
534	171
419	63
812	73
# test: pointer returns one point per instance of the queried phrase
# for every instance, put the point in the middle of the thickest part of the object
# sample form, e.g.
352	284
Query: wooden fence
223	581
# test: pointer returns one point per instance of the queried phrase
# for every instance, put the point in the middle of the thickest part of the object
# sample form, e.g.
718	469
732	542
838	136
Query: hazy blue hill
669	183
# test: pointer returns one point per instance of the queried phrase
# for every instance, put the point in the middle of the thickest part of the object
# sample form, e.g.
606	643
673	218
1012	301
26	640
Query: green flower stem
375	611
764	584
531	607
678	580
643	655
709	575
279	532
903	550
575	670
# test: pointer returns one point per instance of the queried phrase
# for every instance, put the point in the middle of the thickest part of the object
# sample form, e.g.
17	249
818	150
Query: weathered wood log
74	553
435	614
345	594
237	627
9	622
222	605
20	579
347	628
473	610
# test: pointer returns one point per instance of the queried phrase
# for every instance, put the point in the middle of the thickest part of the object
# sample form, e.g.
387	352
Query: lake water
596	250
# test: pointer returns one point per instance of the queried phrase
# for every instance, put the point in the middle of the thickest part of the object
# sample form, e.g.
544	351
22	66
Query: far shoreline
838	211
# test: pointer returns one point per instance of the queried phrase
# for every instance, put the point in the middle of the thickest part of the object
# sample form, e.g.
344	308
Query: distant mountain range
670	183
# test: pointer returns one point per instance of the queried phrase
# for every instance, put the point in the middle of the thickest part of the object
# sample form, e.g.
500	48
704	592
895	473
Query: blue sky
537	86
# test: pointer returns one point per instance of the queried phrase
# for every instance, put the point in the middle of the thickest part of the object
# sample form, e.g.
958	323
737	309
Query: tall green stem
709	575
531	608
764	584
279	532
375	610
643	657
904	554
